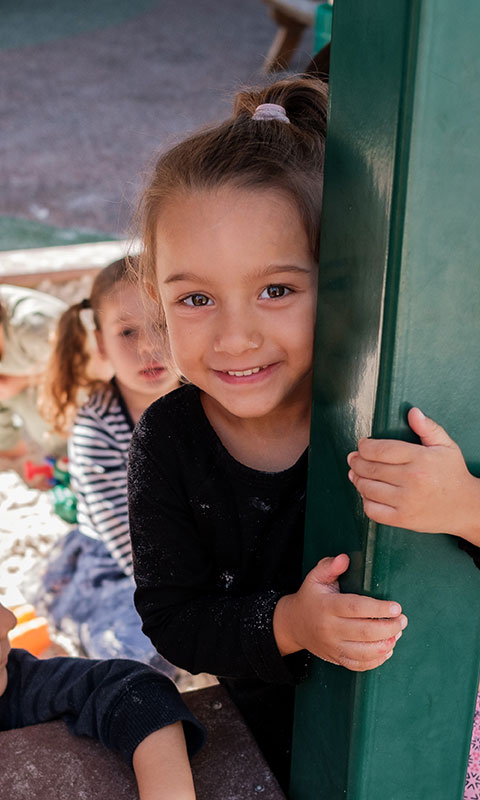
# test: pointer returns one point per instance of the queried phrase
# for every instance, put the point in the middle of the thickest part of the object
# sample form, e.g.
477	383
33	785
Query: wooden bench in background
292	18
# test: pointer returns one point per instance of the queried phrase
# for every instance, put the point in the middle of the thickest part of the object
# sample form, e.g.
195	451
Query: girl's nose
149	345
236	336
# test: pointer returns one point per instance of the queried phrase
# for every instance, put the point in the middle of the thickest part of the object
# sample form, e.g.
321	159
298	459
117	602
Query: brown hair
66	375
247	154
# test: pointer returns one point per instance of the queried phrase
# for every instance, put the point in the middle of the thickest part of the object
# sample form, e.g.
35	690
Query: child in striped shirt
90	580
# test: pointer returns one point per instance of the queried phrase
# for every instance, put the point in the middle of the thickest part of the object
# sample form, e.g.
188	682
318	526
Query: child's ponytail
304	101
67	371
68	382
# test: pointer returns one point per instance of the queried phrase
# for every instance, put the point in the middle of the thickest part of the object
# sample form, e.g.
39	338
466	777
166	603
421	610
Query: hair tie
268	111
85	303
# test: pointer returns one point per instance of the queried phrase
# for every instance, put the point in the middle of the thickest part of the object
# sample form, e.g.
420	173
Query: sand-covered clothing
215	545
118	702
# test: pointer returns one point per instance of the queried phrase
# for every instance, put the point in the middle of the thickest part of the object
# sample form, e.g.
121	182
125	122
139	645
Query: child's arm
351	630
119	702
425	487
161	766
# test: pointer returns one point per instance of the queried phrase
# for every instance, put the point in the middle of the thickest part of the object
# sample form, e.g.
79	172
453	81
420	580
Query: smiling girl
231	225
91	581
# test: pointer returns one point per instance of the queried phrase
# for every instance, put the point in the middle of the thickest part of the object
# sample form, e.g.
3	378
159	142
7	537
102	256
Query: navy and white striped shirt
98	451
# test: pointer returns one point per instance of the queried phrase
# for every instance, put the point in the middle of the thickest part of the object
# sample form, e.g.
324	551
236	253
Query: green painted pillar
398	325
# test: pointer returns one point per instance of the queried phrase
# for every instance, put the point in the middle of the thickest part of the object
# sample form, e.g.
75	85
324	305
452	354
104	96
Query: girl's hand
423	487
351	630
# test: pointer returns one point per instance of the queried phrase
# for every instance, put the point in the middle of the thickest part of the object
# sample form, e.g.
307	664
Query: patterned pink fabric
472	784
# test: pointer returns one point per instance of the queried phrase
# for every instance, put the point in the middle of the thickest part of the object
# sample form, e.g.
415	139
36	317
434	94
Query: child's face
7	622
129	339
238	285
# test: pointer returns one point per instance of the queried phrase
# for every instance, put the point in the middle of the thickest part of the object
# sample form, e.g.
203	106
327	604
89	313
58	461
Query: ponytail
67	383
67	372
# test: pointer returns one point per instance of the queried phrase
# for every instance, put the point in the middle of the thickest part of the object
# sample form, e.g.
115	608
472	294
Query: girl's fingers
364	666
387	451
363	652
360	606
383	514
374	490
369	630
376	470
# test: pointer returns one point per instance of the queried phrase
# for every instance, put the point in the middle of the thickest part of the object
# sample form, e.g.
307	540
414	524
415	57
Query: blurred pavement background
92	90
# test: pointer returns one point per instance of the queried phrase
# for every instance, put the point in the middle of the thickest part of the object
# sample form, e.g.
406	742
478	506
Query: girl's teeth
238	374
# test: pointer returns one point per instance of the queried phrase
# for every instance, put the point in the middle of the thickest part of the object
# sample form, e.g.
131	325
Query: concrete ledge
47	761
29	267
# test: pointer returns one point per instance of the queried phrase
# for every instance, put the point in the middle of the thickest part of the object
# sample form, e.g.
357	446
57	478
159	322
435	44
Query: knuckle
352	605
372	470
380	448
386	645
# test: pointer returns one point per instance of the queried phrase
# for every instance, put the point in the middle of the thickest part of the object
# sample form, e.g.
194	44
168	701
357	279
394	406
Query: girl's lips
152	373
246	376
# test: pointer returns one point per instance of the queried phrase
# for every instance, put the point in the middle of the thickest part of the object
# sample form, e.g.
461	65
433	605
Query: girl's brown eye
274	291
196	300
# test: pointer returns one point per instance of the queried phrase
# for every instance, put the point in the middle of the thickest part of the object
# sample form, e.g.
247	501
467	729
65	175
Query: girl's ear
100	344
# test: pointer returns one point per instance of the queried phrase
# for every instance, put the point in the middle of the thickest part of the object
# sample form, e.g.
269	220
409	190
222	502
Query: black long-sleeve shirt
118	702
215	544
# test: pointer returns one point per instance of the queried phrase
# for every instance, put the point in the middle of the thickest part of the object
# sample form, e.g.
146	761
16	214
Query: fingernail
422	415
403	622
399	634
389	655
350	476
395	609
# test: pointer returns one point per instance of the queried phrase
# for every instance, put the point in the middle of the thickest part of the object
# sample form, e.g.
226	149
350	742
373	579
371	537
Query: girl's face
128	338
238	285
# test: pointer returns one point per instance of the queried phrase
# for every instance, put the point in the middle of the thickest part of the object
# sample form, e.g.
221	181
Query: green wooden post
398	325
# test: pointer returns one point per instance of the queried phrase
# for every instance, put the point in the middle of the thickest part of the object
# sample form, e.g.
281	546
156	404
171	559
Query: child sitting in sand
89	582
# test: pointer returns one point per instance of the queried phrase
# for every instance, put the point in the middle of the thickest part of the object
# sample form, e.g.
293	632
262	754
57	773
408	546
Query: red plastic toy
31	470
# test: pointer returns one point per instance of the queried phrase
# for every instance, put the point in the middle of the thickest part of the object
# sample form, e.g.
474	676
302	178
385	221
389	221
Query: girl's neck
135	402
269	444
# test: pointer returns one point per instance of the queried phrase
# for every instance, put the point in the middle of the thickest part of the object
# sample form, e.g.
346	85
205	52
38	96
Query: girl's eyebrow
124	316
272	269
